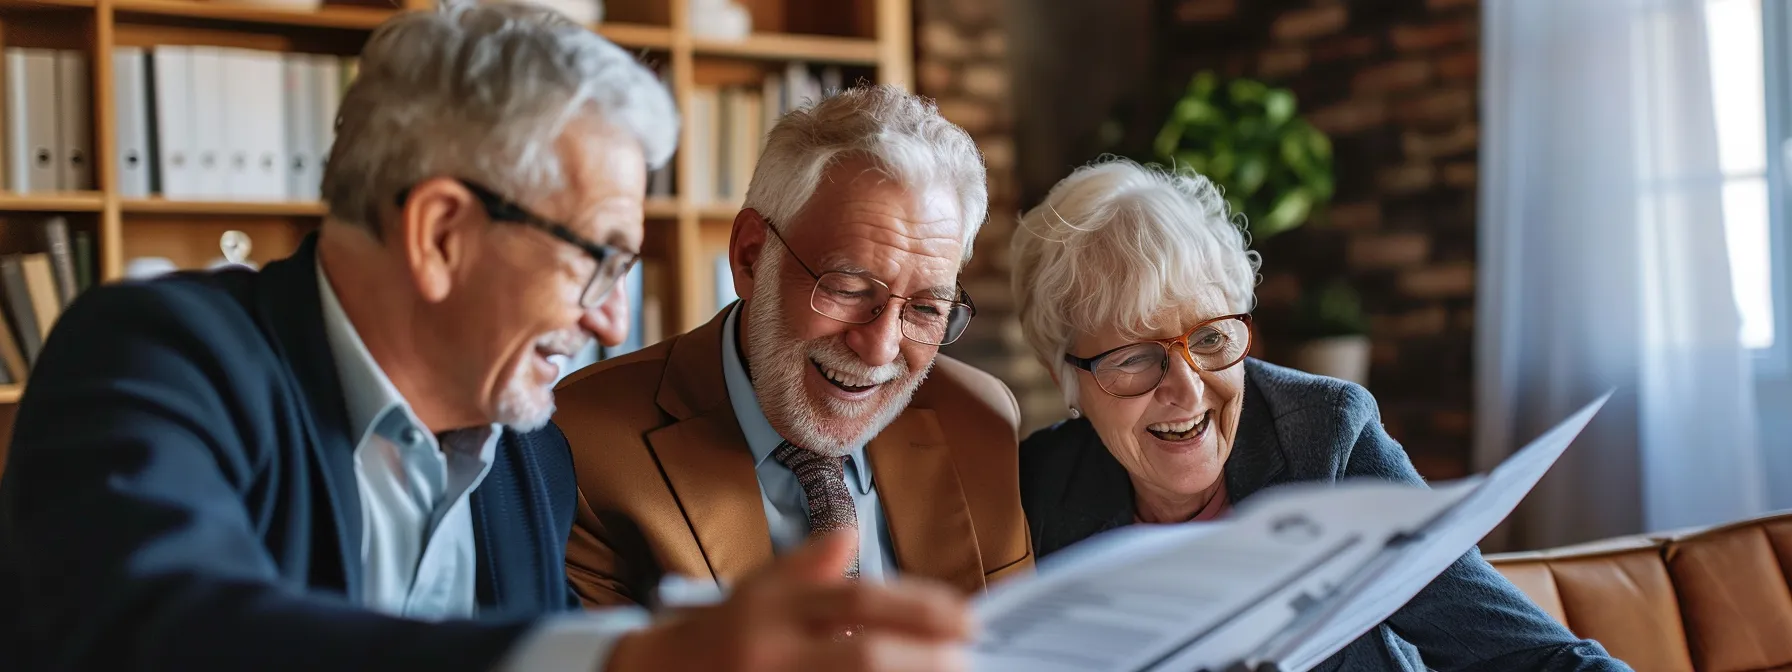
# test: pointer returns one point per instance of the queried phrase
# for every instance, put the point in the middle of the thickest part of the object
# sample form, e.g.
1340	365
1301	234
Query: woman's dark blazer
1301	427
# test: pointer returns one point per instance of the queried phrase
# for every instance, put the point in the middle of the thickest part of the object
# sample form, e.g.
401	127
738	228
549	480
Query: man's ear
745	243
435	227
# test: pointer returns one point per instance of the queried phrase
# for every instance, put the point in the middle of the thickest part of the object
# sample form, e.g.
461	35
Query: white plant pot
1343	357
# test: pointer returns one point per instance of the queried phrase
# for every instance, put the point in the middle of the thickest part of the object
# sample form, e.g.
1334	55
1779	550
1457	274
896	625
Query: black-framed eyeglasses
610	263
1138	368
857	298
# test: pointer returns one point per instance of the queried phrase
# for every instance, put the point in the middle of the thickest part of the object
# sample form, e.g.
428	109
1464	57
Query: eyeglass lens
1141	367
856	299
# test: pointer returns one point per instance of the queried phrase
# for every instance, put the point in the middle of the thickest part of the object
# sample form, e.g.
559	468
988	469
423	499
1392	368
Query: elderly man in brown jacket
819	402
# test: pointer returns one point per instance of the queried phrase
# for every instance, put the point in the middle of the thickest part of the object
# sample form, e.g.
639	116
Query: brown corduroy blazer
667	483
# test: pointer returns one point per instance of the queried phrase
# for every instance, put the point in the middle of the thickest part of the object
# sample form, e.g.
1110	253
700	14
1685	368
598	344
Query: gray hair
1117	243
482	91
903	134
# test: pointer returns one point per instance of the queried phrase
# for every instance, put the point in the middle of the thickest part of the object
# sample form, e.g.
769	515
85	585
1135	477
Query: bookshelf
862	40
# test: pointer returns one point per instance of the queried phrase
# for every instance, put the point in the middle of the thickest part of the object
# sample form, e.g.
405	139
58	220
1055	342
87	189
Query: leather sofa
1711	599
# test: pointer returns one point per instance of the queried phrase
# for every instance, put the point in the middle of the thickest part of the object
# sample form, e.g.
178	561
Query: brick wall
1395	85
1393	82
962	61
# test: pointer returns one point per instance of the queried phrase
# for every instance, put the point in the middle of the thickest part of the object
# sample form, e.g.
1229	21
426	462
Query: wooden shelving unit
74	201
872	38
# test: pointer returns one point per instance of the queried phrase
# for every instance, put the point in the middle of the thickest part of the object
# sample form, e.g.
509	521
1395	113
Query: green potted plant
1272	166
1334	333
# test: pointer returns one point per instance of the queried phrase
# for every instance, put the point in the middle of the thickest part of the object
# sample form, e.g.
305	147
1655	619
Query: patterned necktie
823	478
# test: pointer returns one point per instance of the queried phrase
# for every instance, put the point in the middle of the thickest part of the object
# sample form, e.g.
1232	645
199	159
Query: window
1752	98
1735	35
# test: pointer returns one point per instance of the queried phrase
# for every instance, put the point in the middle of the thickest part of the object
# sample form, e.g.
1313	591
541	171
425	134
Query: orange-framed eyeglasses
1136	369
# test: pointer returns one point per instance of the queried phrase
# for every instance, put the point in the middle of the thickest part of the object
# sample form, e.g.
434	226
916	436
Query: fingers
886	654
916	609
822	560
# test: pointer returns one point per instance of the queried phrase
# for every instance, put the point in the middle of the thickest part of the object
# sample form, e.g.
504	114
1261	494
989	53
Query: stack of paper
1295	575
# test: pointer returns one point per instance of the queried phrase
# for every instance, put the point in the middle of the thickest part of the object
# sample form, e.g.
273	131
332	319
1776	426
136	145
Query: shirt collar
761	438
373	403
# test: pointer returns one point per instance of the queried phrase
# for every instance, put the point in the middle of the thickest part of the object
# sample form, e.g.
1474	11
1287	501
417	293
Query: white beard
524	406
829	426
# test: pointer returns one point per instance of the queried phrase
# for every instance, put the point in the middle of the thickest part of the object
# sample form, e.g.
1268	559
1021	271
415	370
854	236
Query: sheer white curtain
1603	264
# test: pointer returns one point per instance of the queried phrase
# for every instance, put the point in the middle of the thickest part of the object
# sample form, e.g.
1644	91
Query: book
62	262
15	295
1296	573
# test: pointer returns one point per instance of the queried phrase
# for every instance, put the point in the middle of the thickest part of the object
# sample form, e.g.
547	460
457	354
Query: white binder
176	153
206	105
326	73
253	111
32	163
302	174
130	103
74	122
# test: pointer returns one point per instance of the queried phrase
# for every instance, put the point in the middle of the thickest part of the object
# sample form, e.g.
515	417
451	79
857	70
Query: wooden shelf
44	4
10	394
636	35
66	201
786	47
239	208
721	211
328	16
661	207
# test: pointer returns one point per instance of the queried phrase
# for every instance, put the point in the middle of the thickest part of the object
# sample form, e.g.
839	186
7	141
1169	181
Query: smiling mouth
1181	431
835	379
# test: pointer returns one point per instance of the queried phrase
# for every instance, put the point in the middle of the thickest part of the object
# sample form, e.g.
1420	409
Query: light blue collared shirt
786	508
417	545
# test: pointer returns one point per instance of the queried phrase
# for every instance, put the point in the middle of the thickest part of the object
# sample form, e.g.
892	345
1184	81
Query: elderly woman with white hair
1135	291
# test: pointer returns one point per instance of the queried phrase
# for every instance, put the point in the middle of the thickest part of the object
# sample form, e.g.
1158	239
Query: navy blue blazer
181	495
1298	427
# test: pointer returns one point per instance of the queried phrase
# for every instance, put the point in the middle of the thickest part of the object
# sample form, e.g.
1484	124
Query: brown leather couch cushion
1710	600
1734	597
1621	598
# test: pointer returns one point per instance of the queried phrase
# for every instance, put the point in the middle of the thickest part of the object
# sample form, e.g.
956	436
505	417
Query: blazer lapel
292	309
1257	460
1097	495
923	502
711	473
706	459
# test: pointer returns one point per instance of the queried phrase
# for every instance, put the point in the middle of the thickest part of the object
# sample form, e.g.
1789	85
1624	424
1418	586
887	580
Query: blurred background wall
1047	85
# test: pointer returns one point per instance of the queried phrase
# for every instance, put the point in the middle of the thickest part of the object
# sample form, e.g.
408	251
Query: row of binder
48	121
217	123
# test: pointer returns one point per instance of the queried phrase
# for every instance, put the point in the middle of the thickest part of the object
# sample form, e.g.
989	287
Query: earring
1075	413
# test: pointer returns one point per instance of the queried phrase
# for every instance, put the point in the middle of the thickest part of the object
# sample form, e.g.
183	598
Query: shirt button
411	436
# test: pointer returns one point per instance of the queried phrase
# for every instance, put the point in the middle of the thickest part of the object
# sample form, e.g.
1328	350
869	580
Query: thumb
823	559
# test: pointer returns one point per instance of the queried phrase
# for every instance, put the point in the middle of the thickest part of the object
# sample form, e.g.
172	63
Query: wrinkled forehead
876	226
604	182
1148	313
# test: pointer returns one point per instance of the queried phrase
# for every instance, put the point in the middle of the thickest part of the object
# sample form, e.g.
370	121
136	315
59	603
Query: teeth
1177	427
843	379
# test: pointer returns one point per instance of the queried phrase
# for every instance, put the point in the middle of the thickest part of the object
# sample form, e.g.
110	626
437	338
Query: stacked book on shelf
217	123
48	121
730	124
34	289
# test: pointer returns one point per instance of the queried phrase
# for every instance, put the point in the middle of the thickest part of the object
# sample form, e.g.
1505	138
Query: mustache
832	353
566	343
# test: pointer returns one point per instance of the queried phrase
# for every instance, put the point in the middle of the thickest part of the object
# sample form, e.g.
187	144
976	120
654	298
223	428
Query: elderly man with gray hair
818	404
341	462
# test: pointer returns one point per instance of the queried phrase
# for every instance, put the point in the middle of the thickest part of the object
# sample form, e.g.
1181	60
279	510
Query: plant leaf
1202	86
1253	169
1278	107
1290	211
